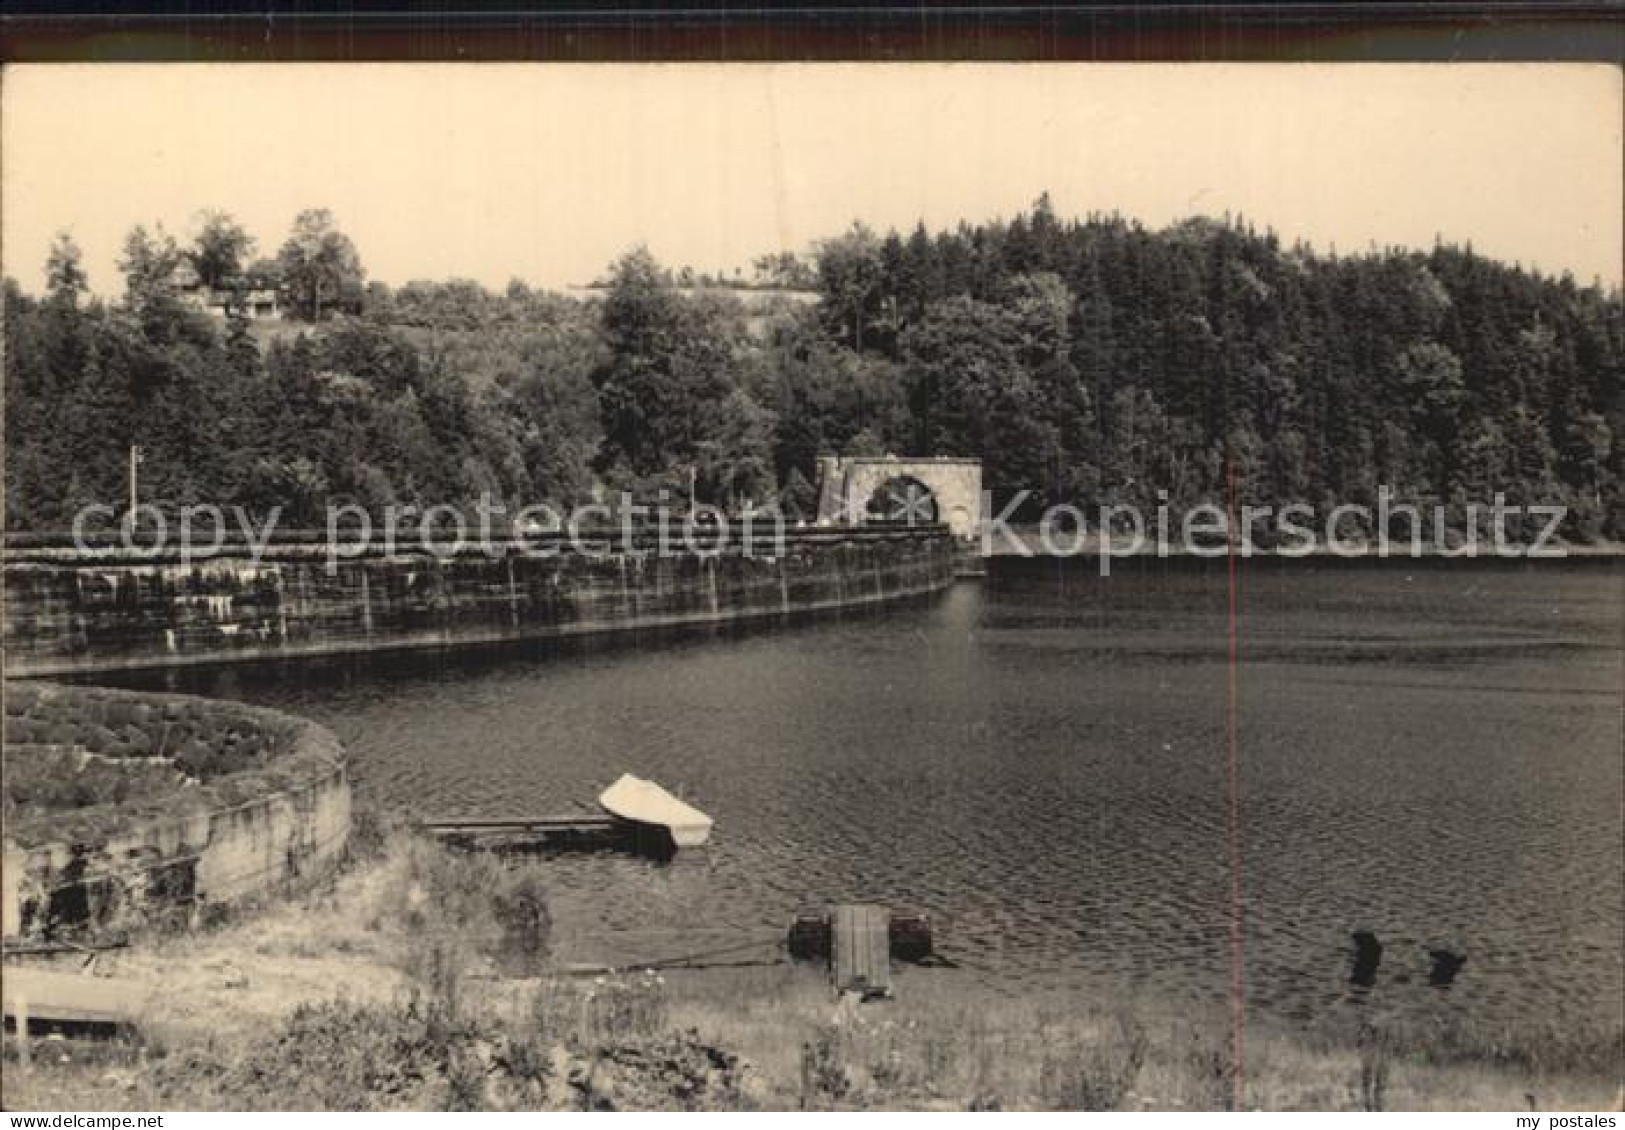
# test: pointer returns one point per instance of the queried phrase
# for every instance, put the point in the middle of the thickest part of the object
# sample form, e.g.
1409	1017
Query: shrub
1212	1071
525	927
330	1056
470	904
824	1074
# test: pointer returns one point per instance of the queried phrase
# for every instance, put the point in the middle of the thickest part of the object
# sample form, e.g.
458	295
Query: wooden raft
861	961
585	831
571	830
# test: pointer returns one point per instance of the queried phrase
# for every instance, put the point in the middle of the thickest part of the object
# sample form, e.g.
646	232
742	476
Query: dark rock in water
1367	957
1445	967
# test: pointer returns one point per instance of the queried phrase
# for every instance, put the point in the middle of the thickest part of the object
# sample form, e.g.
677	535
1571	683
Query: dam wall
123	809
72	611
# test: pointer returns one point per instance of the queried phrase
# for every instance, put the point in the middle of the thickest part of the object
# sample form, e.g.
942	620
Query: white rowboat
644	802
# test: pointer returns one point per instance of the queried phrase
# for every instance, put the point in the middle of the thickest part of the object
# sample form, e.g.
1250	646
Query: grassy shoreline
419	978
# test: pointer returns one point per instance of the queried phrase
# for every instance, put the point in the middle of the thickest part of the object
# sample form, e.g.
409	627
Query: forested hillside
1093	361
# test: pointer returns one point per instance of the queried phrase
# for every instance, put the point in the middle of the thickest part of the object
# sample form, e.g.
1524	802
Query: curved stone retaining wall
70	611
263	799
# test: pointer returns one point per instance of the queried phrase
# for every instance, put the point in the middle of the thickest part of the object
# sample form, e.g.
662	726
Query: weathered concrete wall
267	802
68	612
847	484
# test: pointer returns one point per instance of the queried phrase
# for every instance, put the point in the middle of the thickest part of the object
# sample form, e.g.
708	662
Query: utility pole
136	456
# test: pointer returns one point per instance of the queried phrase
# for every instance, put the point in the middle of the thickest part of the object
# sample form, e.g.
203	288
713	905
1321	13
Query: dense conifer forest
1093	361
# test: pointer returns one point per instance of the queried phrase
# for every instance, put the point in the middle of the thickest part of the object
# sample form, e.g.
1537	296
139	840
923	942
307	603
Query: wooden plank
49	996
861	962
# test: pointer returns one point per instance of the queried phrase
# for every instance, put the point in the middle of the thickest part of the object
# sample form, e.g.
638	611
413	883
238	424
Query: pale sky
547	172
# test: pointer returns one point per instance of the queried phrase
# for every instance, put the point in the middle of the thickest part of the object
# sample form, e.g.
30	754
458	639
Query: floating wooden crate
910	937
808	939
859	941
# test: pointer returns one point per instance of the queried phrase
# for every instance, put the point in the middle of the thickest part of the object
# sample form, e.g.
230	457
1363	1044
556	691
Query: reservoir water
1429	751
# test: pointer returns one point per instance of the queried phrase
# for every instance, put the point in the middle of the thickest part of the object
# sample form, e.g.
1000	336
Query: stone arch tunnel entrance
921	491
903	498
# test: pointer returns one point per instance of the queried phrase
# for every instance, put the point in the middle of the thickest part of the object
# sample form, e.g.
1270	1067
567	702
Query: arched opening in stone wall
905	499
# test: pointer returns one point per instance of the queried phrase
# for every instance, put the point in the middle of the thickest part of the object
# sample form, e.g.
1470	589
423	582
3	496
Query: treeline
1106	363
1090	361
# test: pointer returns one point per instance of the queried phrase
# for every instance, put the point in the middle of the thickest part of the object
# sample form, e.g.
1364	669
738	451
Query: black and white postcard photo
813	586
